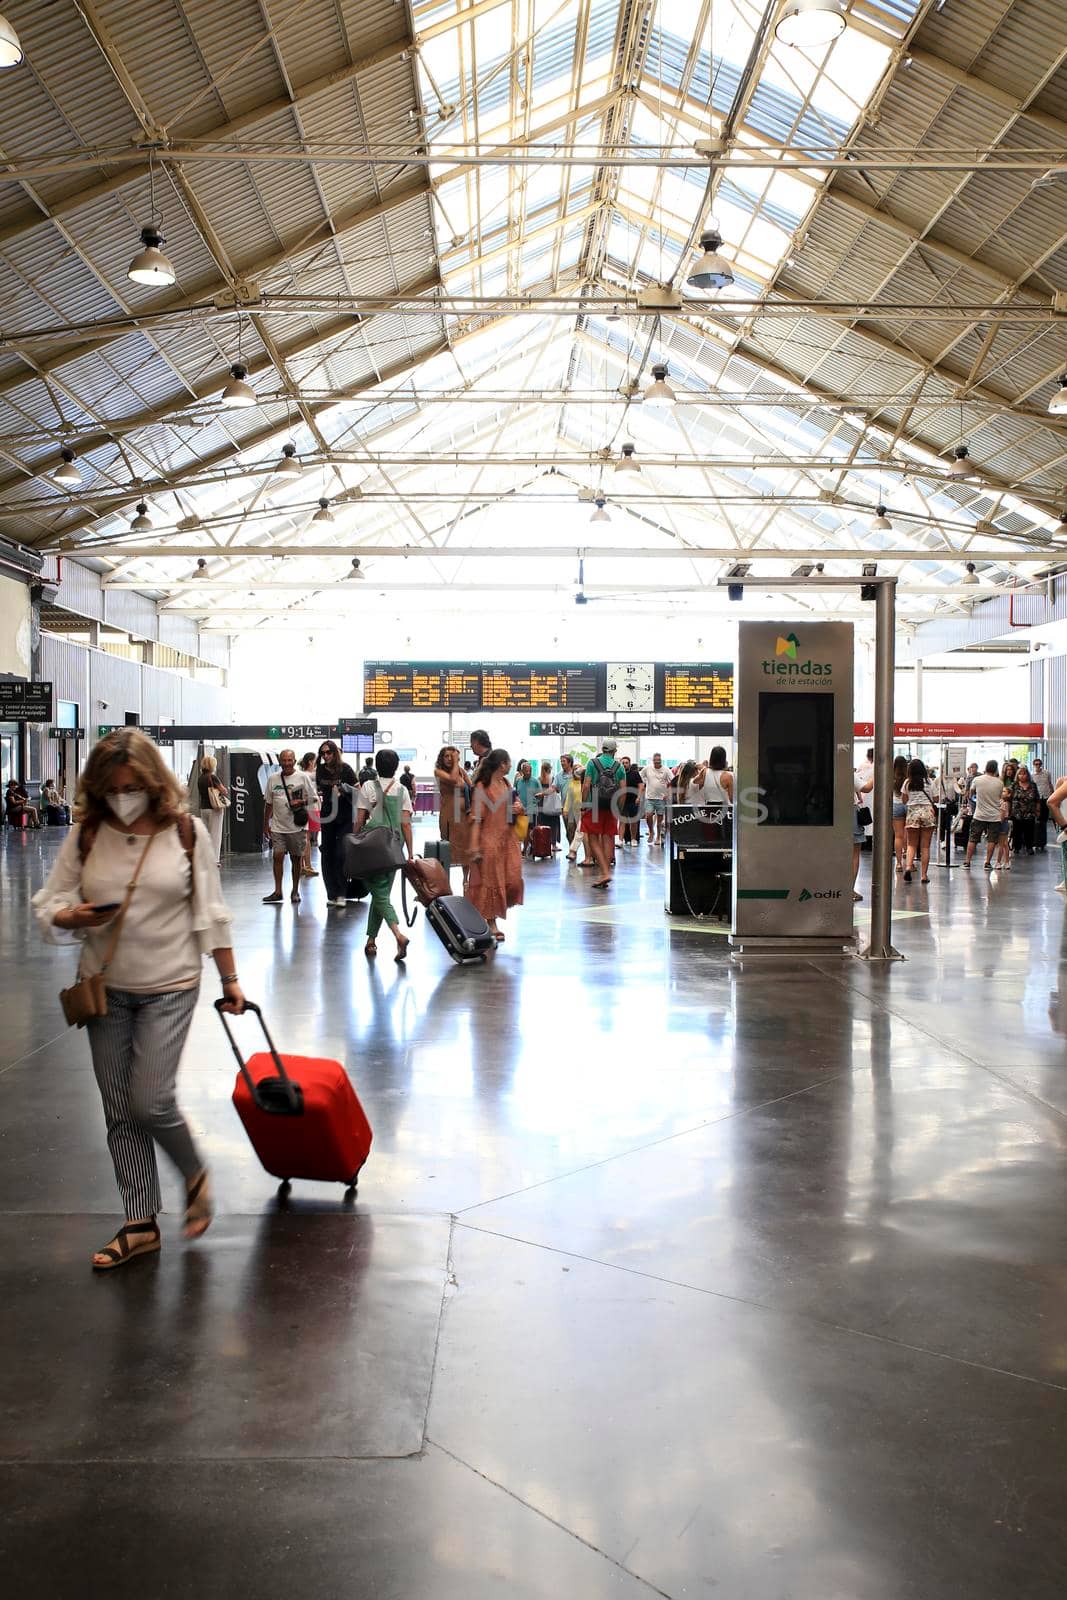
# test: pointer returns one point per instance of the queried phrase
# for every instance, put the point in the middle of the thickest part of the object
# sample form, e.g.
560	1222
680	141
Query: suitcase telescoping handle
291	1091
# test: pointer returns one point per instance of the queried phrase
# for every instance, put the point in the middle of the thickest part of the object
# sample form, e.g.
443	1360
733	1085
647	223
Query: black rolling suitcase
461	928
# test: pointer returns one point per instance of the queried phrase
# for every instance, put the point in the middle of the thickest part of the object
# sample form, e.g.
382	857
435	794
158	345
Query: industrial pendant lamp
809	24
960	464
970	576
237	392
67	473
600	514
626	462
357	575
10	49
289	466
201	569
323	514
659	391
150	266
142	522
880	523
712	271
1058	404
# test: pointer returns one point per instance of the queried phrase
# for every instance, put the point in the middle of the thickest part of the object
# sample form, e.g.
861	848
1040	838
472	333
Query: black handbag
300	812
377	850
864	817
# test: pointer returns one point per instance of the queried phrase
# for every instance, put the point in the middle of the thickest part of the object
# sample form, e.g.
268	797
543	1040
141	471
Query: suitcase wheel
285	1186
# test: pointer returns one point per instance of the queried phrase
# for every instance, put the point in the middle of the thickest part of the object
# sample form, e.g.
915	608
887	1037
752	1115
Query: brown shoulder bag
87	997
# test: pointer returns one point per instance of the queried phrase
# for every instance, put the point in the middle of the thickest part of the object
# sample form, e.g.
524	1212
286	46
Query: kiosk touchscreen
794	795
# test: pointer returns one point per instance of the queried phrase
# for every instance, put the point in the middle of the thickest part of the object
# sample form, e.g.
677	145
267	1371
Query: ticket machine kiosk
794	800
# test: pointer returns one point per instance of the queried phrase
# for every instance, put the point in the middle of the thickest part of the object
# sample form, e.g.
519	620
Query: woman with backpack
136	884
604	778
385	803
920	819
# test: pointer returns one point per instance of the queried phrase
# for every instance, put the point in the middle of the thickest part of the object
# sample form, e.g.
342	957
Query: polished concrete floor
664	1277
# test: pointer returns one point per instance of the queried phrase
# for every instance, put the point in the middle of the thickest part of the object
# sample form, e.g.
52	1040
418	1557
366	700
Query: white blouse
166	932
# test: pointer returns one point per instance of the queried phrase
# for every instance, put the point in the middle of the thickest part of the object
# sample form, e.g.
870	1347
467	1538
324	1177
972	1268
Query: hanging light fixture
201	569
613	315
880	523
626	462
971	575
809	24
142	522
323	514
289	466
659	391
67	473
11	51
238	392
150	266
600	514
959	467
1058	404
712	271
357	573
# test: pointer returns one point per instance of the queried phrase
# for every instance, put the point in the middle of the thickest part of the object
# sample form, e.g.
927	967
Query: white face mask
128	807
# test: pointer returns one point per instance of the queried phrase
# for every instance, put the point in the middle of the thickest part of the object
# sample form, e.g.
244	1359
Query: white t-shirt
368	795
657	781
166	932
987	796
302	792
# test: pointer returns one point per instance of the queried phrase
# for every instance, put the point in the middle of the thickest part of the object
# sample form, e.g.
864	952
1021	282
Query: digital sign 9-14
573	687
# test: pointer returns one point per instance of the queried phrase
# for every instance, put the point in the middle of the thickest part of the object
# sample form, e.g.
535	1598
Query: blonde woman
208	781
135	847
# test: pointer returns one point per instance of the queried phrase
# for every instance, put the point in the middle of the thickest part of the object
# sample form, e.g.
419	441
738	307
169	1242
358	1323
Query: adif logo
787	647
819	894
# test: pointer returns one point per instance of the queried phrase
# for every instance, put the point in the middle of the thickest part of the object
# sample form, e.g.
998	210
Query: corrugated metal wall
67	667
1055	691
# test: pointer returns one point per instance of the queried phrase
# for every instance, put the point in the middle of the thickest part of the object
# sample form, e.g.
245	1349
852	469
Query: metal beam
591	552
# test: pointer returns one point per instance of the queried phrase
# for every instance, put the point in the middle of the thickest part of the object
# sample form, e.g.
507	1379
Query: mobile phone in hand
110	905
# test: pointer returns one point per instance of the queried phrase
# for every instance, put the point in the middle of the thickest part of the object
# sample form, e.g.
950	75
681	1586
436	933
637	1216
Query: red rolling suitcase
540	842
300	1112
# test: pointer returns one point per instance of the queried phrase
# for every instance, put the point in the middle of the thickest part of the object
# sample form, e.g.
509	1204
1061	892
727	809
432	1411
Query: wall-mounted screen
694	686
796	760
421	686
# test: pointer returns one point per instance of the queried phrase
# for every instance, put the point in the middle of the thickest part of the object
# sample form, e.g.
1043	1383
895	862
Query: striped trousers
136	1049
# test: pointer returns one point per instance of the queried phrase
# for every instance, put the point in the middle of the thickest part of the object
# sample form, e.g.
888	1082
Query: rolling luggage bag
460	927
439	850
540	842
300	1112
428	879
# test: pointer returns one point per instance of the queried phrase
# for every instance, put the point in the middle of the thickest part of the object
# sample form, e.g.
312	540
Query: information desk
700	856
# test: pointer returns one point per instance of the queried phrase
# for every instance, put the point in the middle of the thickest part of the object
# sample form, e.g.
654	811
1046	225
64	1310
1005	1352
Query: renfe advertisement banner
794	807
246	802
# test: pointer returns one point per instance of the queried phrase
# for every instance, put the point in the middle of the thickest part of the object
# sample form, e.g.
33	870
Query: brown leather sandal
121	1250
198	1208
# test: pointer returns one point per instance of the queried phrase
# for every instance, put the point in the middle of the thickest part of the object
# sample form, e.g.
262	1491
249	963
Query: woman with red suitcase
136	882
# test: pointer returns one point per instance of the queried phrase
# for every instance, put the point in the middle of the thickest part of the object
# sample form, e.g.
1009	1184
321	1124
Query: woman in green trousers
385	803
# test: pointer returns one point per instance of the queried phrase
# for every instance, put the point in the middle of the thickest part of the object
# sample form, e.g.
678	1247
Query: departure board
694	686
543	686
421	686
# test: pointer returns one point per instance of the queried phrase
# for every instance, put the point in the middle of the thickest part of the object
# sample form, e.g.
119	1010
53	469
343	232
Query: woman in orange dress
495	881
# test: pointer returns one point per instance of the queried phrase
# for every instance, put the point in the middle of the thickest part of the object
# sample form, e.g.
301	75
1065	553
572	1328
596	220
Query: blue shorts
900	810
656	807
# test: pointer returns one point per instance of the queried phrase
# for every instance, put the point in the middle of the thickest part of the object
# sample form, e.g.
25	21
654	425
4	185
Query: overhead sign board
549	686
159	733
695	686
26	702
941	731
708	729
